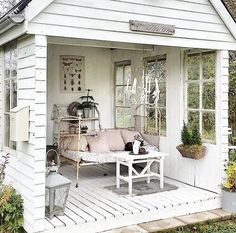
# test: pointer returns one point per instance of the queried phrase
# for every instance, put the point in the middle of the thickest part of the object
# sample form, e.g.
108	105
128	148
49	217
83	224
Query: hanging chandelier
146	92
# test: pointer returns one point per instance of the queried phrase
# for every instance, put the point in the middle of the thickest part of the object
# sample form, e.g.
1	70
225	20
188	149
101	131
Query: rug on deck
142	188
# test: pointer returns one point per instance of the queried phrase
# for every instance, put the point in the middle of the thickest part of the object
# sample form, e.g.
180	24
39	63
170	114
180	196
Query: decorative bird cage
57	189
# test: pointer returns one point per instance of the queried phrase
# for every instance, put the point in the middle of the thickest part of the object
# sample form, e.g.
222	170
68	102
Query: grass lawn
211	226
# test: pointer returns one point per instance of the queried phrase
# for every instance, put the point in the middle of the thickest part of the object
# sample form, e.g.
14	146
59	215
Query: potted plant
191	146
229	188
88	104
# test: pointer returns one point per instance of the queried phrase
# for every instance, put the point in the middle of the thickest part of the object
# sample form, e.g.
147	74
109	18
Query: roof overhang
14	16
225	16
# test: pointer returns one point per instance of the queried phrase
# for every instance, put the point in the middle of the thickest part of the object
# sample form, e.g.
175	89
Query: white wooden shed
35	34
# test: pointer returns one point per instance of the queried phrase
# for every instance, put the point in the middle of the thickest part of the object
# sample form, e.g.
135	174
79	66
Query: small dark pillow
129	146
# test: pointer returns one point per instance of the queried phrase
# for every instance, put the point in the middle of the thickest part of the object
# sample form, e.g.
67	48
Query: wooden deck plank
78	211
124	201
90	204
85	208
74	216
91	200
110	200
55	222
94	200
142	203
66	220
48	224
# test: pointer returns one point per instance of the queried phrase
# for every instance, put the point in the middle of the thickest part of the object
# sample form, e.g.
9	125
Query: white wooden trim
35	7
225	16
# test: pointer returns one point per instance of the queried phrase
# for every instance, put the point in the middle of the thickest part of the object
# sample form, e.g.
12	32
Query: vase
86	112
229	201
136	146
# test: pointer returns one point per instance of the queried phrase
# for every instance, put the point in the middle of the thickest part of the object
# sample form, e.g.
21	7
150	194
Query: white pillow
98	144
115	140
73	145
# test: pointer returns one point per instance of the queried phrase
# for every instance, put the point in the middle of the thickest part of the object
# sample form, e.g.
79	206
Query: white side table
129	160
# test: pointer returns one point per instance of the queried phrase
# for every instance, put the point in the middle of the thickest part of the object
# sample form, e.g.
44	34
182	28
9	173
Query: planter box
229	201
192	152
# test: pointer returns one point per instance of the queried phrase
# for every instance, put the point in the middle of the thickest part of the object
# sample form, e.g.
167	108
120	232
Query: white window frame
200	81
121	64
8	149
156	59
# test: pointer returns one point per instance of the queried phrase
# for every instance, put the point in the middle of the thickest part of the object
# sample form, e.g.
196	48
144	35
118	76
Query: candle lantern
57	189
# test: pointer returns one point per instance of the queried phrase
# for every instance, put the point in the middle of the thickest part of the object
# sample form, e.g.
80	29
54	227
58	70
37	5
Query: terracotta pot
192	152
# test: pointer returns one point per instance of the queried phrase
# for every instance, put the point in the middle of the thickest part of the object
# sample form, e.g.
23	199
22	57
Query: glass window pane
7	60
119	75
151	122
13	63
13	93
162	95
163	122
161	70
120	96
119	118
208	65
208	125
7	95
6	130
193	69
128	118
193	95
193	119
127	74
208	95
151	69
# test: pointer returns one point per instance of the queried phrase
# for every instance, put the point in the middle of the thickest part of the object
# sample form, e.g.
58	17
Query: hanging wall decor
72	74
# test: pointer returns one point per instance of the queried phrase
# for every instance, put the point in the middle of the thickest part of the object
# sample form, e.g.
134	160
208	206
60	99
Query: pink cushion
73	145
115	140
98	144
128	136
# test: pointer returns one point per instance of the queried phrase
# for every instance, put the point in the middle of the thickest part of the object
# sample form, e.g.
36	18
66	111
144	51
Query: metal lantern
57	189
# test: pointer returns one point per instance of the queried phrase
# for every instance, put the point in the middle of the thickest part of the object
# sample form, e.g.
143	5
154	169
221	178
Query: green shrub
196	137
185	135
190	137
11	210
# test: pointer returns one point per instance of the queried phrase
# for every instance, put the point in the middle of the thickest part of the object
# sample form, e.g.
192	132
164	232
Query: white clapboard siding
1	94
195	22
26	170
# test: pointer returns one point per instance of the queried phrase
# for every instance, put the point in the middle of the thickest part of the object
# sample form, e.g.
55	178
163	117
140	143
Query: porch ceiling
98	43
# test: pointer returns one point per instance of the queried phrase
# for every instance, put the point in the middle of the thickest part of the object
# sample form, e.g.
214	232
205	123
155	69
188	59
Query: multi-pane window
200	92
155	78
10	90
123	114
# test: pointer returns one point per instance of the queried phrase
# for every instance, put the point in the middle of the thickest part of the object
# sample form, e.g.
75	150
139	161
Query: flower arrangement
229	183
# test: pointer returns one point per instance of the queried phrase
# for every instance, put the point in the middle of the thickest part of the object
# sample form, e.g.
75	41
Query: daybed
102	148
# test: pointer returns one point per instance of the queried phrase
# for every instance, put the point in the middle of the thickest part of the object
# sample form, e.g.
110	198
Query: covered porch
92	207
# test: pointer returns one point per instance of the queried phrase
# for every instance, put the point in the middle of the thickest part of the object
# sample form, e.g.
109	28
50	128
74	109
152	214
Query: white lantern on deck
57	189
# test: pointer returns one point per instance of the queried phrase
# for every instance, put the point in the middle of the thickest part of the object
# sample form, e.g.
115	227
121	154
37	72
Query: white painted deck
92	208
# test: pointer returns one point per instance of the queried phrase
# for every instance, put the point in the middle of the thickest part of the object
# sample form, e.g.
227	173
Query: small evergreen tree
196	136
185	135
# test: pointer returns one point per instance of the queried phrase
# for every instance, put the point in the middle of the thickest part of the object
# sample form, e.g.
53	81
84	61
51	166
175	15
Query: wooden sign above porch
157	28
